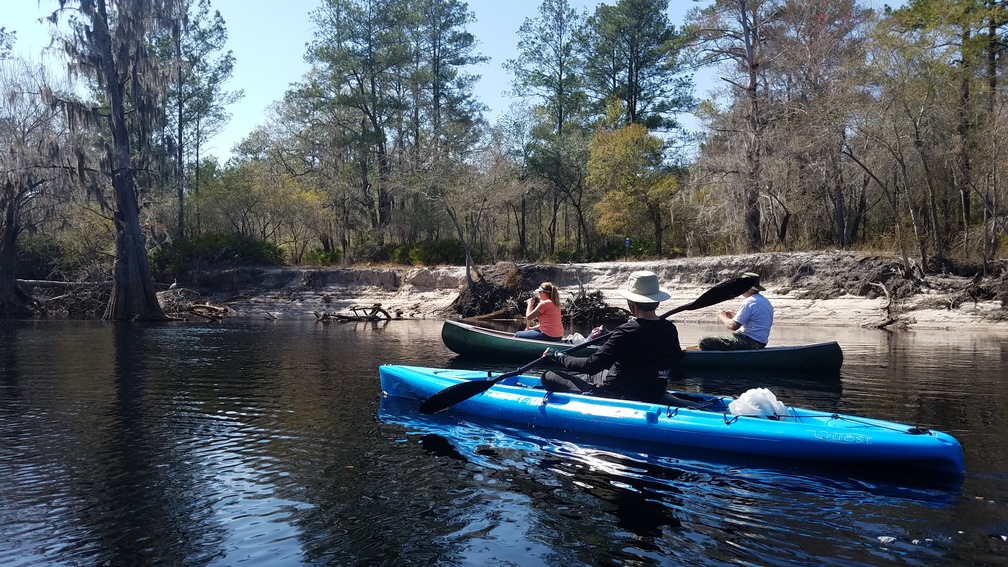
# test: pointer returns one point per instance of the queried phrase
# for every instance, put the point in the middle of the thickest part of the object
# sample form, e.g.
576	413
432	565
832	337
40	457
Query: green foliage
833	158
366	249
565	256
434	252
424	253
625	166
85	243
38	259
511	249
632	54
74	256
401	254
609	250
548	63
641	247
195	99
211	249
320	257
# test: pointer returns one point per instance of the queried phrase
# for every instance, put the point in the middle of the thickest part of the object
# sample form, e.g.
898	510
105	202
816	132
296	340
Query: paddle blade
463	391
725	291
721	292
454	394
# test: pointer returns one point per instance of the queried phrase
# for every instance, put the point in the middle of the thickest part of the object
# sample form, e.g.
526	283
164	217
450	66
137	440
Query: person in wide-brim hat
634	361
642	287
756	286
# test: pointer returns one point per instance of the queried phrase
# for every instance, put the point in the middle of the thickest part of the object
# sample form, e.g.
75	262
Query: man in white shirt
751	324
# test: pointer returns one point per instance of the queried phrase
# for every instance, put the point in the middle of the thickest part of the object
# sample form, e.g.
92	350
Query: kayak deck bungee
691	420
492	344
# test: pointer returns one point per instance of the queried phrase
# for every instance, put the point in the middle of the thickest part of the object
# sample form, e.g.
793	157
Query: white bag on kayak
574	339
757	401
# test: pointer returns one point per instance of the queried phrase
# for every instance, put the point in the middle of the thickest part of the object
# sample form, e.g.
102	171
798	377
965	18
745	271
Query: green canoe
490	344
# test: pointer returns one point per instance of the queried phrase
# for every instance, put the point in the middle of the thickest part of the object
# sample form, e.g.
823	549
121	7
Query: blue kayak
694	420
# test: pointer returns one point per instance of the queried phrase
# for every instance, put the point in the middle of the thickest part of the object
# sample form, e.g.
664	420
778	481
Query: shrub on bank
320	257
424	253
212	249
437	252
64	259
38	259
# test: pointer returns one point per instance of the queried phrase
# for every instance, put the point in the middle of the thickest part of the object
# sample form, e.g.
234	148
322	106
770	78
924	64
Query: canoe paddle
463	391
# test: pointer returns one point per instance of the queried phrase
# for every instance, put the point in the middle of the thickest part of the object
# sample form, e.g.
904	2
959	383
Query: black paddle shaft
463	391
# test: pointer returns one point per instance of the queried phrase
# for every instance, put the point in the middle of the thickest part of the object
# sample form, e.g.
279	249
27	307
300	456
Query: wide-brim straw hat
756	286
642	287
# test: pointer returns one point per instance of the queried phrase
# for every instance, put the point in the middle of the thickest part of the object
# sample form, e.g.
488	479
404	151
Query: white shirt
755	316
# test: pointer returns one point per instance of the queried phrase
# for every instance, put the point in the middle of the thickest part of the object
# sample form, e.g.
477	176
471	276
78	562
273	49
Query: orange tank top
550	322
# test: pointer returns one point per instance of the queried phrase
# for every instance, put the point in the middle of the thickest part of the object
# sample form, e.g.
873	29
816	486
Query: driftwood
357	313
505	313
71	298
176	302
482	297
973	291
892	312
30	284
592	308
584	307
210	312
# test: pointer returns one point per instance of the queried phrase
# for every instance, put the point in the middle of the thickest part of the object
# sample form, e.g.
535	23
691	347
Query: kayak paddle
463	391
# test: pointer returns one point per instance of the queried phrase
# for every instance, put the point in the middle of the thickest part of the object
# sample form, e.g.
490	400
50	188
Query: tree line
831	125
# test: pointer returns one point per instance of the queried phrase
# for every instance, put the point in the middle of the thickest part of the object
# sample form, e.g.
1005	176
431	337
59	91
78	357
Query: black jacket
635	354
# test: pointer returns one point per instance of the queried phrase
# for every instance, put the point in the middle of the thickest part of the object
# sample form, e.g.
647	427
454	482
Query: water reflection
266	442
653	506
476	438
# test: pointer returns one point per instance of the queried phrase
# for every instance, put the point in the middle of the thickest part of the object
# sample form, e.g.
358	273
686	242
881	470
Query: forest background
837	127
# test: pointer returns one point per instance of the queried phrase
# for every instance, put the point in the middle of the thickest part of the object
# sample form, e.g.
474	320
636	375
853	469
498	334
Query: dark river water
267	443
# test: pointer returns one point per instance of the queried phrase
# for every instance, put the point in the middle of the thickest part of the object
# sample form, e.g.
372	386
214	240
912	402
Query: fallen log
210	312
60	284
358	313
505	313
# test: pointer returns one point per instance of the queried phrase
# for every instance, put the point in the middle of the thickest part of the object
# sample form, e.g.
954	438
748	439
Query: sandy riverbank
822	288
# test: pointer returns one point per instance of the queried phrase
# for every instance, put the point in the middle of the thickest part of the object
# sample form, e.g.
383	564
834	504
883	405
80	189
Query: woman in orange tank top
543	321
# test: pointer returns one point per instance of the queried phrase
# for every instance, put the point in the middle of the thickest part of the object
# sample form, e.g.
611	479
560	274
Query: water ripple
265	444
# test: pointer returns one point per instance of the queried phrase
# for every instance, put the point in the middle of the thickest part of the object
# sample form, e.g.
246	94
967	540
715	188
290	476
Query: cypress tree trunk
133	295
11	298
